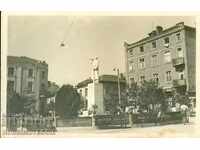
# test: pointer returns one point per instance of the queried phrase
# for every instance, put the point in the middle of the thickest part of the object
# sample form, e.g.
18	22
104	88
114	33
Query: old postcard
99	75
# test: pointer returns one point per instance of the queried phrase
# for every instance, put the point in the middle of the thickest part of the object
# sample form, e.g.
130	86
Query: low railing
74	122
32	124
110	120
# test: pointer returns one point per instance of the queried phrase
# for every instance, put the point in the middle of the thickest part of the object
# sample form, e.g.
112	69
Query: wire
66	35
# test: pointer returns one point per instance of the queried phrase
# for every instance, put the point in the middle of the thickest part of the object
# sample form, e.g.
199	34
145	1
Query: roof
178	26
24	59
102	79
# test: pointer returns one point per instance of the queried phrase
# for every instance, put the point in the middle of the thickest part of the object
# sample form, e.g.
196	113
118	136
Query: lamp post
118	83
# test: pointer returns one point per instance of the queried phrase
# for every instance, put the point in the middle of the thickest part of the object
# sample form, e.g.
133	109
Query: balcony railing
179	82
178	61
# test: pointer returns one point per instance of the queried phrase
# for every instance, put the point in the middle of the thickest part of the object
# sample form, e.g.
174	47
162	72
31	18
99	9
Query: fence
74	122
165	118
21	123
109	120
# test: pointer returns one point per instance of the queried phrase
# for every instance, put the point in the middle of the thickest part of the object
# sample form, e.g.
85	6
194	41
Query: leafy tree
111	97
52	89
133	93
67	101
148	93
15	103
181	98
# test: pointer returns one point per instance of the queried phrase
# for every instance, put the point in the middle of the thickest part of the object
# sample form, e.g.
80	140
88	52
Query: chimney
153	33
159	29
180	24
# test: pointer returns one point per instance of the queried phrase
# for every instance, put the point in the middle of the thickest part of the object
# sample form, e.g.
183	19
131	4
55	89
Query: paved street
174	130
177	130
150	130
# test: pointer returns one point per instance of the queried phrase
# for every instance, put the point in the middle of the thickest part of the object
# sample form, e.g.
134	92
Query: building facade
166	56
103	94
27	77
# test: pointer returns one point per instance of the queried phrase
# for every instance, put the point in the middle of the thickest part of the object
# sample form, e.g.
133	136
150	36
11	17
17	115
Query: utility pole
118	83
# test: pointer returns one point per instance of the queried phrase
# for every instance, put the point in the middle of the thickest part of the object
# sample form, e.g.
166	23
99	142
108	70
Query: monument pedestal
95	97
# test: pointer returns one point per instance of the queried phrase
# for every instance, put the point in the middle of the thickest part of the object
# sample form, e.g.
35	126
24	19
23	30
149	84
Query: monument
95	69
95	92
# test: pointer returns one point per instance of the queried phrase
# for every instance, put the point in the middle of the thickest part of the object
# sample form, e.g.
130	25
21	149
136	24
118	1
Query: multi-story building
103	94
27	77
165	55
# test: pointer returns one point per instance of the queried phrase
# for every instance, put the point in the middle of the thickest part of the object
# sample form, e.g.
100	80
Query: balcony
178	62
179	82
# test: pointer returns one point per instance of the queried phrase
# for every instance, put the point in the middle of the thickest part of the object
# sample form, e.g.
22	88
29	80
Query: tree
52	89
133	93
181	98
148	93
111	97
67	101
15	103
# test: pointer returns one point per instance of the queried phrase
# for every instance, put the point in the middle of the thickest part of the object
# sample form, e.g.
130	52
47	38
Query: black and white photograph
87	75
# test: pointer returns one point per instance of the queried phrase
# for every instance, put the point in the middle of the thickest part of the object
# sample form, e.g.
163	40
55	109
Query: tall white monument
95	69
95	92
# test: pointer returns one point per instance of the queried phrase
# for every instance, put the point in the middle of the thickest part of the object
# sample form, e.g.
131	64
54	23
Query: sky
85	37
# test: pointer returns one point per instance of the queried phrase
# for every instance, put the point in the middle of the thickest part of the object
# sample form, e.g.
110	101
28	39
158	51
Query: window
10	71
154	60
43	74
10	86
80	92
181	75
85	104
130	52
168	76
154	44
142	78
86	91
130	66
132	80
166	40
30	73
178	36
141	63
167	57
141	49
180	52
155	77
42	87
30	86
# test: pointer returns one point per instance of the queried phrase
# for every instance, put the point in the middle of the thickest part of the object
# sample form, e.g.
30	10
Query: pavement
191	130
173	130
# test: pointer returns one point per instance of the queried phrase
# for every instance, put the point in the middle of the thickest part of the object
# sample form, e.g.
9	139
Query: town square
117	76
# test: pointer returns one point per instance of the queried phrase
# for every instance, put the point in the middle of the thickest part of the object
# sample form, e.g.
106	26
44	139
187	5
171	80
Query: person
158	119
185	112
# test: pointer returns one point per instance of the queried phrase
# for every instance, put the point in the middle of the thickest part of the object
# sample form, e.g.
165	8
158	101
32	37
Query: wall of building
21	77
191	58
134	54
